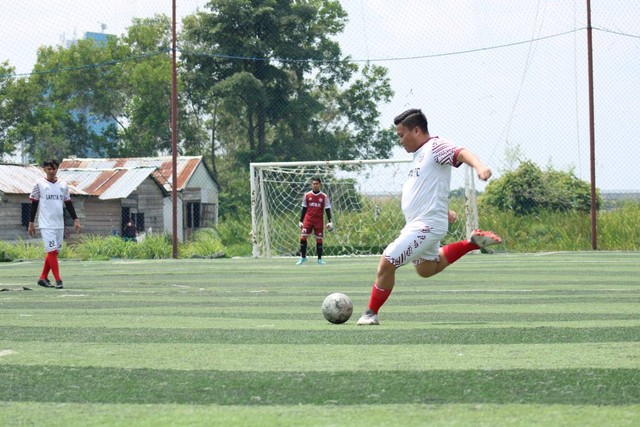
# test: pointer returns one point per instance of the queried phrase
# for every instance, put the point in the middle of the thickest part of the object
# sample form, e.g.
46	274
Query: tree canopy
276	85
258	80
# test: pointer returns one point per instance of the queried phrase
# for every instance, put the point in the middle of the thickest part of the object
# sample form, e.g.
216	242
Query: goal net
365	205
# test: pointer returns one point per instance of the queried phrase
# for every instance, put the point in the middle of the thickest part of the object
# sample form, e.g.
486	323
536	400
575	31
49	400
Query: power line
293	60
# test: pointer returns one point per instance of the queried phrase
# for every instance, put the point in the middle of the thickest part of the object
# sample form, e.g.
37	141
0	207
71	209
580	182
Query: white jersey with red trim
425	193
51	197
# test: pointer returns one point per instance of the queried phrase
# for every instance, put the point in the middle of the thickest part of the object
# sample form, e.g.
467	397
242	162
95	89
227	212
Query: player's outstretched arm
467	157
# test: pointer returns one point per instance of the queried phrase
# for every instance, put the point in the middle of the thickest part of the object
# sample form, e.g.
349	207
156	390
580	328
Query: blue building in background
97	125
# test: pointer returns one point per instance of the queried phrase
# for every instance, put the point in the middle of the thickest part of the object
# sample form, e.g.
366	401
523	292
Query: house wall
203	188
11	227
202	179
98	217
148	199
168	217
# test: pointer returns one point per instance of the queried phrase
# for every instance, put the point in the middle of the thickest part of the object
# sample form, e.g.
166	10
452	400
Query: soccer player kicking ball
426	210
314	204
51	195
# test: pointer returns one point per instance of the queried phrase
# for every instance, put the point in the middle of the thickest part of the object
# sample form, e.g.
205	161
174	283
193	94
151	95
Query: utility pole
174	138
592	142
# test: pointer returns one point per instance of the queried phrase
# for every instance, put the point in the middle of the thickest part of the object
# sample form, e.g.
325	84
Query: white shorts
417	243
52	238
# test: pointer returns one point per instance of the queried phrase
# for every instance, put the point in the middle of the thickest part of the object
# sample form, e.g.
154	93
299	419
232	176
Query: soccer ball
337	308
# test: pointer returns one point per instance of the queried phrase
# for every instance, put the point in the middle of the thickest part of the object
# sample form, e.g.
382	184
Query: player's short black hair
414	117
51	162
316	178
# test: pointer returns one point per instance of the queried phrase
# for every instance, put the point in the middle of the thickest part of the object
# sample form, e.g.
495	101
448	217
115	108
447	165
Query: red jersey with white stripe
315	203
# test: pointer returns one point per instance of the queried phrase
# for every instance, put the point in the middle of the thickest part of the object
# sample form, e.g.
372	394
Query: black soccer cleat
45	283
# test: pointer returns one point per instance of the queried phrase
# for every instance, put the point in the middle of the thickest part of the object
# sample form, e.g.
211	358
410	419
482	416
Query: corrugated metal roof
105	178
186	165
19	179
107	183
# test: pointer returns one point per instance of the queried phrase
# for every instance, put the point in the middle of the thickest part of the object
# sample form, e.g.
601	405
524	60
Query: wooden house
106	193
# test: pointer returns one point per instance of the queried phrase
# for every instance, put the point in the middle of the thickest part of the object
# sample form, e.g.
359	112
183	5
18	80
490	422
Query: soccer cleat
321	261
45	283
301	261
59	284
484	238
368	318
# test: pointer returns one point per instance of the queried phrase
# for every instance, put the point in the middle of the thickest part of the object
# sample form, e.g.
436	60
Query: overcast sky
497	76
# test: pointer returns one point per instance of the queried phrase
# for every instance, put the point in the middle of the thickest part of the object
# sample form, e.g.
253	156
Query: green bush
235	235
529	190
205	243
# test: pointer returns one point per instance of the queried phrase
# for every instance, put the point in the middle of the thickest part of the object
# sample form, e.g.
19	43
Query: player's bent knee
427	269
386	267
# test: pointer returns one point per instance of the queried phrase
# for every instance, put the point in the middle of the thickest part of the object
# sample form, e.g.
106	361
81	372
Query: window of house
26	212
193	215
138	221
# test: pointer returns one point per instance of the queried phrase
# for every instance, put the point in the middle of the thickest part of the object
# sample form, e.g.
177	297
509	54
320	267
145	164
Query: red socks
378	297
46	268
454	251
52	261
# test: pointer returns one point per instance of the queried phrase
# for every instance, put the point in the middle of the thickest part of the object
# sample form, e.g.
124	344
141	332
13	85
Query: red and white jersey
315	203
425	193
51	197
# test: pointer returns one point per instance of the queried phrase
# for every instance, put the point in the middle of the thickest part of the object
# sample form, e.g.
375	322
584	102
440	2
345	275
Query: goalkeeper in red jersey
314	204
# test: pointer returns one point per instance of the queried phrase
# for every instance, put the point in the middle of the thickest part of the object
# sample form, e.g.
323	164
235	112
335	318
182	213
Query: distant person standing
48	198
315	204
129	233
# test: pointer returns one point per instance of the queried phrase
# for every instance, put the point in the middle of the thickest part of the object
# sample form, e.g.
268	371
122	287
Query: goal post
365	205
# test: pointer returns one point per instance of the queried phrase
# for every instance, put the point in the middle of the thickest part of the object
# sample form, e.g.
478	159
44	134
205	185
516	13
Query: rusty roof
186	165
107	183
19	179
106	178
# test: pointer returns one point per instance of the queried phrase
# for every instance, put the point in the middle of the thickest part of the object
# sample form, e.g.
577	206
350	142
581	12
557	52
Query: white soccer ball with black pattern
337	308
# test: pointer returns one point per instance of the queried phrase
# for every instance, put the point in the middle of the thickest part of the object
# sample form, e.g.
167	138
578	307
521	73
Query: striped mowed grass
503	339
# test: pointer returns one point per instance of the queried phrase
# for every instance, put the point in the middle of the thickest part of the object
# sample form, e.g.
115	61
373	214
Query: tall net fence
508	80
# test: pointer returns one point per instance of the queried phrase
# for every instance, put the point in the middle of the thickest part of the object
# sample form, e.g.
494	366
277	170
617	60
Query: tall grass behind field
547	231
32	249
618	229
565	231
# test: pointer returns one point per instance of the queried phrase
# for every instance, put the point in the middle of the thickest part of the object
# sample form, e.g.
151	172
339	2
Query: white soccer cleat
301	261
484	238
368	318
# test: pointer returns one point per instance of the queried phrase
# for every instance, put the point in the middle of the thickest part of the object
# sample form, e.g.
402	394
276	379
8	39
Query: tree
7	115
147	88
95	99
277	84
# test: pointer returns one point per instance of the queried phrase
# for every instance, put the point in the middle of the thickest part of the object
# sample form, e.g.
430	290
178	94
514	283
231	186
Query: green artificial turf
503	339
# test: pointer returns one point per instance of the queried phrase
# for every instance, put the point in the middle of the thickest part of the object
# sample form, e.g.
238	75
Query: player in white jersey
51	195
425	207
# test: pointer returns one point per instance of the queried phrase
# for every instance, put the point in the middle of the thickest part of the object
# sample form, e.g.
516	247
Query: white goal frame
274	215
